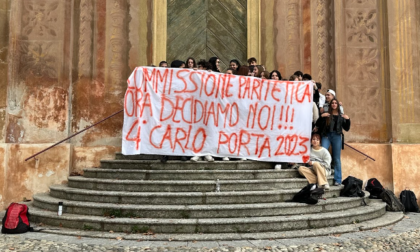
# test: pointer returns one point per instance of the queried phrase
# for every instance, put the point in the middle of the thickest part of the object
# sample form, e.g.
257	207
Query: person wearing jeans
334	139
331	125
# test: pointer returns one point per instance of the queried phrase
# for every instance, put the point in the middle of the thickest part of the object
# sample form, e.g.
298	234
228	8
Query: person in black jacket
331	125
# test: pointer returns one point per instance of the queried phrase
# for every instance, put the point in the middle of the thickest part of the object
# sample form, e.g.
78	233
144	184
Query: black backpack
16	219
392	202
309	194
352	187
408	199
375	188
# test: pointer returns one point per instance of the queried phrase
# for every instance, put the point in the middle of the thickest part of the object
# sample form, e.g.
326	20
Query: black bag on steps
352	187
393	204
408	199
375	188
309	194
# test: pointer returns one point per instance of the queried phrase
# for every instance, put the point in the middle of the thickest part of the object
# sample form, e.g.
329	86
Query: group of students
328	122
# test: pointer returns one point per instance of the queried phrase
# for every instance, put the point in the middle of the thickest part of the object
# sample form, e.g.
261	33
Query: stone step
120	156
186	185
179	198
387	219
44	201
185	165
189	174
211	225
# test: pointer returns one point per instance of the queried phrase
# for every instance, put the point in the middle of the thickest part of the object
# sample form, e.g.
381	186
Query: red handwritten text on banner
186	112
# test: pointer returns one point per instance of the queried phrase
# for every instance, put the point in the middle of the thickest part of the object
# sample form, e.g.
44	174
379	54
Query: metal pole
77	133
359	152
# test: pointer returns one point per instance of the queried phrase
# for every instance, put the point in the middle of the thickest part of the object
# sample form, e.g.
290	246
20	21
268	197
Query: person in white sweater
319	165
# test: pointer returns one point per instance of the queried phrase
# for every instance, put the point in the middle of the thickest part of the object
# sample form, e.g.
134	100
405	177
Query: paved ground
403	236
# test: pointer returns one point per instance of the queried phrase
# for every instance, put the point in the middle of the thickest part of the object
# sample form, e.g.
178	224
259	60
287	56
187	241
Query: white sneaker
326	187
243	159
195	158
209	158
277	167
225	159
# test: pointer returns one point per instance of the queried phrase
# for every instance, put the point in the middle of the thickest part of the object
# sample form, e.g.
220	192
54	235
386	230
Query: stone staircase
137	196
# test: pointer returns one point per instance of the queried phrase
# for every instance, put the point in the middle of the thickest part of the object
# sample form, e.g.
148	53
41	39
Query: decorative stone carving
85	39
368	112
40	19
38	59
363	65
361	26
360	3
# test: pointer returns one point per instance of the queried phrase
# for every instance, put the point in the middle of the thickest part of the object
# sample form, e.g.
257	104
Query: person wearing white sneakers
319	164
206	157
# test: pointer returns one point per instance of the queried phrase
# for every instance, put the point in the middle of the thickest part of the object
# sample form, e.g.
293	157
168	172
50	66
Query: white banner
186	112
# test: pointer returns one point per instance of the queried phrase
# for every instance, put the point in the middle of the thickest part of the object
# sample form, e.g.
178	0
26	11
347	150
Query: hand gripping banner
187	112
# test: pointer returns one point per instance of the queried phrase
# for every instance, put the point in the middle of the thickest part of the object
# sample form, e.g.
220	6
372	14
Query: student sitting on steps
319	165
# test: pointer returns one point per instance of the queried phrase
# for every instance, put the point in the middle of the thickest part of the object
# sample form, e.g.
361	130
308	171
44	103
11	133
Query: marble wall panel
23	179
405	160
361	76
37	97
90	157
355	164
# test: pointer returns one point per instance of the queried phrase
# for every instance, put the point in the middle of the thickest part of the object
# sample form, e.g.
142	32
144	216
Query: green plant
87	227
184	214
117	213
197	229
139	230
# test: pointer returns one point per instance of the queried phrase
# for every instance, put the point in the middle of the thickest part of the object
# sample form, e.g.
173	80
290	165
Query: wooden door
206	28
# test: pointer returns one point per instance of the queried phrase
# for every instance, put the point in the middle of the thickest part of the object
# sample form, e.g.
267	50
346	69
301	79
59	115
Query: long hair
251	69
237	63
260	70
330	110
194	63
266	74
243	70
212	61
293	77
275	71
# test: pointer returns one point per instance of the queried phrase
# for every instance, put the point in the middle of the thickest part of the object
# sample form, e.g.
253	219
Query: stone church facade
64	65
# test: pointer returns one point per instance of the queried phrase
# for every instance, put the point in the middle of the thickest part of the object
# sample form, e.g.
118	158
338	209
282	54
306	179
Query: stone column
322	49
404	49
404	55
281	45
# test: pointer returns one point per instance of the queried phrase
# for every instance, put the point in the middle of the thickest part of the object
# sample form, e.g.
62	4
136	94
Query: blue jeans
334	139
